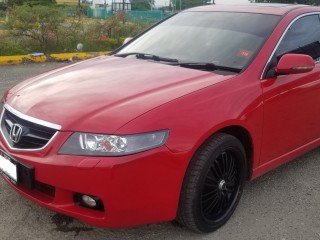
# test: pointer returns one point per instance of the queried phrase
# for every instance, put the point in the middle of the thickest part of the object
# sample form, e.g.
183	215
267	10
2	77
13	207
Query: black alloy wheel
213	184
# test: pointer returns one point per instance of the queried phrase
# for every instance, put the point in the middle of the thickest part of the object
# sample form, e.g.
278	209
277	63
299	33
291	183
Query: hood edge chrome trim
32	119
27	118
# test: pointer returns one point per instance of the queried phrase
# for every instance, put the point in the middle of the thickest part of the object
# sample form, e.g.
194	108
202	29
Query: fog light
89	201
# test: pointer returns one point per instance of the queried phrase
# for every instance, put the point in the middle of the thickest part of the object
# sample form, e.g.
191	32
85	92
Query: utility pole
79	9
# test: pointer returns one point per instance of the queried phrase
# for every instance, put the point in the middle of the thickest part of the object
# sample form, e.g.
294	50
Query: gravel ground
283	204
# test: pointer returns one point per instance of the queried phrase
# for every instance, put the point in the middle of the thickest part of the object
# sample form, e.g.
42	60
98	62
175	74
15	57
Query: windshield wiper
175	62
206	66
147	56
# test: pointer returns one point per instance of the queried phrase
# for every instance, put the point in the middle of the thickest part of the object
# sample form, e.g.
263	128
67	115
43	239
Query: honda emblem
16	133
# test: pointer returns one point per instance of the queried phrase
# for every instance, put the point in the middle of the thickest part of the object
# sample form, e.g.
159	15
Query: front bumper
136	189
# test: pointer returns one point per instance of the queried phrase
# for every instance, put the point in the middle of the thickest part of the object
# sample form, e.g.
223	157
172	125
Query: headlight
89	144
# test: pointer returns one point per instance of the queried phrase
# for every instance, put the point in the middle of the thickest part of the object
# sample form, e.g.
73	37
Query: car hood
104	93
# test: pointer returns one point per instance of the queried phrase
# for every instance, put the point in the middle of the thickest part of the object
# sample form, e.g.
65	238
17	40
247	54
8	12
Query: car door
292	102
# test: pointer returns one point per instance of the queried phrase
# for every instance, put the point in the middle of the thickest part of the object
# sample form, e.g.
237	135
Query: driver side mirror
294	63
127	40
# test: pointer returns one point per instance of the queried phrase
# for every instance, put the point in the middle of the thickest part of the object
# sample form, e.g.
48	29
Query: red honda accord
171	124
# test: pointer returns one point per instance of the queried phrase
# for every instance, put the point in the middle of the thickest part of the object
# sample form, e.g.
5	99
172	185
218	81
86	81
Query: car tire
213	184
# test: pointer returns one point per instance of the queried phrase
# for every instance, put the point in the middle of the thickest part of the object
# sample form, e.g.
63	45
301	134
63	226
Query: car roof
263	8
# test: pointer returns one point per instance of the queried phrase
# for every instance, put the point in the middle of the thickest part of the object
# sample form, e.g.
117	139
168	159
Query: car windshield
219	38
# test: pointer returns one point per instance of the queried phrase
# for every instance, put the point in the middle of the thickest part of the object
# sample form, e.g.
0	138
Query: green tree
184	4
40	24
41	2
191	3
11	3
142	5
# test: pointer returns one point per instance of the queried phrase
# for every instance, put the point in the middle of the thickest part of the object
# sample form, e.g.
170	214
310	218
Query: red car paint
96	96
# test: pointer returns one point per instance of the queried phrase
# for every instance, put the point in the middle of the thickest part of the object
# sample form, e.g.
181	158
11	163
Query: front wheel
213	184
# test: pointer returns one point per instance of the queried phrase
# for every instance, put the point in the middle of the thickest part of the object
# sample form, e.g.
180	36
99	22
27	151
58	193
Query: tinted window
302	37
222	38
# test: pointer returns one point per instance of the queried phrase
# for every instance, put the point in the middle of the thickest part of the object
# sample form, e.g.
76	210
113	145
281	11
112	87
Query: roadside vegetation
27	28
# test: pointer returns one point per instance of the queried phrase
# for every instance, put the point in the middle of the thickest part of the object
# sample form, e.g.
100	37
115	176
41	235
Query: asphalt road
281	205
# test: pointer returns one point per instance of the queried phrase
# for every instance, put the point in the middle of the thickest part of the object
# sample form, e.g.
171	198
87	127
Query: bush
46	29
116	27
40	24
12	3
9	47
2	14
73	11
2	6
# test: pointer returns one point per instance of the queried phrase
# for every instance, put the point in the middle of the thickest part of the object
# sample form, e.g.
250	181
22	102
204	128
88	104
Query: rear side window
303	37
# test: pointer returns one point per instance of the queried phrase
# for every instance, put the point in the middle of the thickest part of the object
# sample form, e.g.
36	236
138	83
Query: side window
303	37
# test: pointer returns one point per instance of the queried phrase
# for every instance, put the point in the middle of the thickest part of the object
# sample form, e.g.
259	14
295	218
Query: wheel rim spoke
219	207
215	172
211	206
210	194
220	186
231	162
212	179
218	168
224	162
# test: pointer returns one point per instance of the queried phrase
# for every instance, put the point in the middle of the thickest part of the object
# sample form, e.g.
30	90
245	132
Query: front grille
32	136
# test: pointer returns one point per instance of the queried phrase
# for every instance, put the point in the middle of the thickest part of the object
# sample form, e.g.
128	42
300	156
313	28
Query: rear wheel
213	184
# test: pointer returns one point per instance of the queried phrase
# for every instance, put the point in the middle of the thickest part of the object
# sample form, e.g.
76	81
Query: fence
133	16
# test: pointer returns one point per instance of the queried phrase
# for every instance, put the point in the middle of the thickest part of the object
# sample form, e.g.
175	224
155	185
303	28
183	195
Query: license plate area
15	171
